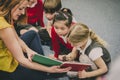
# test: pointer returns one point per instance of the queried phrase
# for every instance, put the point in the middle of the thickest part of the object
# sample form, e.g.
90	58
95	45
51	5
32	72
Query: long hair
63	16
80	32
5	9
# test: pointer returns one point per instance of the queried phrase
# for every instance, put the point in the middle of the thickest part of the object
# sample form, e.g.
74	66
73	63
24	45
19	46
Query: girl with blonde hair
91	50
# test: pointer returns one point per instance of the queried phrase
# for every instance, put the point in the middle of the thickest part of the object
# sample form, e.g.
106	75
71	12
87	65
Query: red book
76	66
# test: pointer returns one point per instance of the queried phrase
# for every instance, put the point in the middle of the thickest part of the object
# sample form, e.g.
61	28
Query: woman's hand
30	54
57	69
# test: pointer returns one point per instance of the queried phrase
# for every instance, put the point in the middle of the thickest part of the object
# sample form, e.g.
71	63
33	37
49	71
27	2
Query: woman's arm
9	37
24	47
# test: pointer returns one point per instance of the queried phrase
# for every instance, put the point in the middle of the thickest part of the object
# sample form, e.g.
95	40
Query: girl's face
19	10
80	44
60	28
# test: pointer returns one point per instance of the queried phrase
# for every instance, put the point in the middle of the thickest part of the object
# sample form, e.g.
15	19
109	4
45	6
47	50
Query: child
91	50
34	17
61	25
50	8
35	13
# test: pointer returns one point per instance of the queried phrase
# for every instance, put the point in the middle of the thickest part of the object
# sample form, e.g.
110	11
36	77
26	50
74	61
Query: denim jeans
32	40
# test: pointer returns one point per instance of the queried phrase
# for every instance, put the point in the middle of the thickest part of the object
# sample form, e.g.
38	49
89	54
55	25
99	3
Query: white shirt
64	38
94	53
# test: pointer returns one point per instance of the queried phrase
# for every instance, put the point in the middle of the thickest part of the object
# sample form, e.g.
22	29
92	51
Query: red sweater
35	14
56	40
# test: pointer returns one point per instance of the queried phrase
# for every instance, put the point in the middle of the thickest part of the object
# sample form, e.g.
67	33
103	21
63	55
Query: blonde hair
80	32
5	9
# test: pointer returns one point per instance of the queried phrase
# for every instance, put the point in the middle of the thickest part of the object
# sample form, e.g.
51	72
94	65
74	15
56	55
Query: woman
12	47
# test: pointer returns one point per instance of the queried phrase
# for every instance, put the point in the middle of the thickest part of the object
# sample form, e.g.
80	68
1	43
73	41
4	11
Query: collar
88	43
64	38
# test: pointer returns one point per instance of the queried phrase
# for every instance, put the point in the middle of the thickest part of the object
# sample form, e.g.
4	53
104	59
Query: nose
23	11
59	31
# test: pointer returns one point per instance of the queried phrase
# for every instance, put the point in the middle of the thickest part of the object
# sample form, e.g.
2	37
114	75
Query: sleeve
96	53
55	44
4	23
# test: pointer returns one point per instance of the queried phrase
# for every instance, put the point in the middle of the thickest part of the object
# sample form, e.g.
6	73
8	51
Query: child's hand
82	74
68	58
52	56
61	57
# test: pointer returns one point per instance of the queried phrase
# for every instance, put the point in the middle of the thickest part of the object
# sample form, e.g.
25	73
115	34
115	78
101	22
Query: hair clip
65	16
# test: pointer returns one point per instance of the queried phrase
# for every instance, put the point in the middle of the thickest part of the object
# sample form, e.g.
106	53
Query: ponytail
80	32
96	38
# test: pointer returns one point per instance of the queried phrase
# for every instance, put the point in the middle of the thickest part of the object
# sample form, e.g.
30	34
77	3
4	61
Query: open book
76	66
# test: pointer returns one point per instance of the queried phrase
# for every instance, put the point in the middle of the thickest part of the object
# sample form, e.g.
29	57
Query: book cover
41	59
76	66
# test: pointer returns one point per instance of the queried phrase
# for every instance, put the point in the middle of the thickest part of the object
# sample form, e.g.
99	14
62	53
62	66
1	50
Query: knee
32	32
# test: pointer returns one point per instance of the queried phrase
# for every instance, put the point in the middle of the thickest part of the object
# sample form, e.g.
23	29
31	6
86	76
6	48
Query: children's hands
67	58
57	69
82	74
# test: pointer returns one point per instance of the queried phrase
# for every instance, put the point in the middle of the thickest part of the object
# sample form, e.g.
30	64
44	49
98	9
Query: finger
29	58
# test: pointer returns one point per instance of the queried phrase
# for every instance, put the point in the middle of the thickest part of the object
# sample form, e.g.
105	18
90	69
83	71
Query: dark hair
67	10
63	16
52	6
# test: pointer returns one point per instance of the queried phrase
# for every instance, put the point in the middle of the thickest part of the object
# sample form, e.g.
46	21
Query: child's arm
72	55
48	27
102	68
